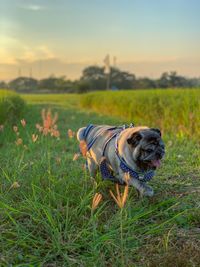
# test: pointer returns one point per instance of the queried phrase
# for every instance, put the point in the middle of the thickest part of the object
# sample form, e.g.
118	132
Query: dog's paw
147	191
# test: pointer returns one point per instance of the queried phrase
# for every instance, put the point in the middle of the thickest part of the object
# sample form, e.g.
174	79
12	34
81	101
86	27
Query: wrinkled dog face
148	148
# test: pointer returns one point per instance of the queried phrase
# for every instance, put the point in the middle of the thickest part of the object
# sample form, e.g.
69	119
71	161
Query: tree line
94	78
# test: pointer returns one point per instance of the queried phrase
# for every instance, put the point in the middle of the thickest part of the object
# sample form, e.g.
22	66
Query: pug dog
137	150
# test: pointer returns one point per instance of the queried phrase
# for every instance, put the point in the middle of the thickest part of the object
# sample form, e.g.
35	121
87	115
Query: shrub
11	108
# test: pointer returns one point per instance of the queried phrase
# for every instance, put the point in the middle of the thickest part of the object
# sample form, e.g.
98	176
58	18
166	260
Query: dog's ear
156	130
134	139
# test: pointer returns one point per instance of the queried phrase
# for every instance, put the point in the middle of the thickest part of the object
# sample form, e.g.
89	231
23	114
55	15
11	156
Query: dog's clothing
106	171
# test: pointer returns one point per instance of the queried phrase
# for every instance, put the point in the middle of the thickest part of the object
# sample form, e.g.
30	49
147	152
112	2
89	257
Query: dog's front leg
142	188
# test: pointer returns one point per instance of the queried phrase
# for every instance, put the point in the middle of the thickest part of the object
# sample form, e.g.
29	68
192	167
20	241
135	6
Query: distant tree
194	82
173	80
3	85
82	86
93	73
23	84
95	78
58	84
49	83
145	83
122	79
164	80
176	80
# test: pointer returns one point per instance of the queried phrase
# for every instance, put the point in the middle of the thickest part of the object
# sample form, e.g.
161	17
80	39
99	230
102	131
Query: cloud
13	50
153	69
42	68
33	7
31	54
9	47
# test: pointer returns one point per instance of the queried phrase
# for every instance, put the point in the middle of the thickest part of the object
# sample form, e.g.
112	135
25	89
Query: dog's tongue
156	162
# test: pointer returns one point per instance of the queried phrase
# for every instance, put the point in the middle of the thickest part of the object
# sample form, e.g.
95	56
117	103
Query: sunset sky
61	37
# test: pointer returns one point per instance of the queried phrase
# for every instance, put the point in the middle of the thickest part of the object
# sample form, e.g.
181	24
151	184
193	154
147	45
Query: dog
117	150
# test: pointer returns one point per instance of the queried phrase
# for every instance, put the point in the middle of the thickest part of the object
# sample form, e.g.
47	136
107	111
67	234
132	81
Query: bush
11	108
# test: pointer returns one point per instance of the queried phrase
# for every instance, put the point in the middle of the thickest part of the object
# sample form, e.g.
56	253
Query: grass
68	100
5	93
173	111
46	198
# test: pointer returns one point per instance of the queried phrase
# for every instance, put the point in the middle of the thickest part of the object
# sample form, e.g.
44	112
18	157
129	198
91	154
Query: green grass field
45	198
174	111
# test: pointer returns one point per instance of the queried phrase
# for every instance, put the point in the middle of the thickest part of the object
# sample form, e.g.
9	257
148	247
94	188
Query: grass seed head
15	185
55	133
19	142
49	126
120	199
96	200
58	160
70	133
54	119
23	122
39	127
15	128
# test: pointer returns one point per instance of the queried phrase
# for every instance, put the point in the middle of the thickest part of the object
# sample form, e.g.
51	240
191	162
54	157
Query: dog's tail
80	134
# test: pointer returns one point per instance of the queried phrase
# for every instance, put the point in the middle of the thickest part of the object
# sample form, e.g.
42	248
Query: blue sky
63	36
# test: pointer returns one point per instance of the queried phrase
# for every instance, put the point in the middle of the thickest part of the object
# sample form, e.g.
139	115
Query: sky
62	37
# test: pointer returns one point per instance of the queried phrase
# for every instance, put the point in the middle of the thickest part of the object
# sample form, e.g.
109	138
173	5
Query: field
45	200
174	111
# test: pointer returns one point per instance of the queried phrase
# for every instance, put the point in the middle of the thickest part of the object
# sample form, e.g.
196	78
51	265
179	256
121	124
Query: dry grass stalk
83	147
96	200
76	156
34	137
70	133
120	199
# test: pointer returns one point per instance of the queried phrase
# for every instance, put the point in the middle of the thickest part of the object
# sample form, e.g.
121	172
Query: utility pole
40	69
114	62
107	71
108	81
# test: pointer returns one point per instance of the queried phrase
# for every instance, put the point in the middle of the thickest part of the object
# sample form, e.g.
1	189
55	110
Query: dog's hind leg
92	167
